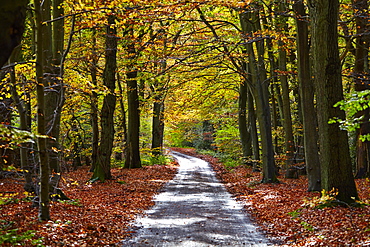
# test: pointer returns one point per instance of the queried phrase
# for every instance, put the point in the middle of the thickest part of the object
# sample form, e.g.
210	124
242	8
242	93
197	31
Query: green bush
13	237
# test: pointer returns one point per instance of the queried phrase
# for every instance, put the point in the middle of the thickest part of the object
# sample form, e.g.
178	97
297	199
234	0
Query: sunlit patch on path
195	209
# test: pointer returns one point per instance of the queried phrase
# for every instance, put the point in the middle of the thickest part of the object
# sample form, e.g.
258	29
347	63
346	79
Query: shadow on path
195	209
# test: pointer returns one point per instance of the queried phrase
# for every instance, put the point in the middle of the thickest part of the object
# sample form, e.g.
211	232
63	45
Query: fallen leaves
278	209
100	214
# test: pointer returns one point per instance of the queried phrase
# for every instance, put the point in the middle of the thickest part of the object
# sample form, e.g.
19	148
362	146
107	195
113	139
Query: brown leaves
100	213
278	209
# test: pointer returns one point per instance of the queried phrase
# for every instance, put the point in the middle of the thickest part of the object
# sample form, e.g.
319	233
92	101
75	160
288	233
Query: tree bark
253	128
25	124
44	213
133	131
311	149
54	92
259	88
336	168
286	117
158	125
244	133
12	17
360	8
102	169
94	105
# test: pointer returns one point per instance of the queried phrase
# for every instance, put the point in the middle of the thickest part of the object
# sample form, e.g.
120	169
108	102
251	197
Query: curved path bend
195	210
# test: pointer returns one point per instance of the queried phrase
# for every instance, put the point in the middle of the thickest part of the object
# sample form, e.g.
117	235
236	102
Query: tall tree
282	65
250	23
102	168
54	92
336	168
244	133
307	90
133	131
44	213
360	9
94	103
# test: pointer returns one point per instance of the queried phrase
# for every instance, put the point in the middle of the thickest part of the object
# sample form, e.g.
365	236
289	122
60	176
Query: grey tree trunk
44	213
259	88
94	105
244	133
287	117
311	149
133	130
336	168
253	128
102	170
123	121
54	92
158	125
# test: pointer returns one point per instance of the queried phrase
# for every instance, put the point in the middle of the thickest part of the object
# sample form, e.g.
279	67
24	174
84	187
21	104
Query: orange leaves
278	209
100	213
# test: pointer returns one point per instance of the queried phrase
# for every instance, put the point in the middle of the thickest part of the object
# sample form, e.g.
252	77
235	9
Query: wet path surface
195	209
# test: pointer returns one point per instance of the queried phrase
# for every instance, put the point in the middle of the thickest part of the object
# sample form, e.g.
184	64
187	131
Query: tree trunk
25	124
260	92
44	213
287	118
12	17
362	45
158	125
311	149
253	130
336	168
133	130
123	120
102	169
94	105
245	135
54	92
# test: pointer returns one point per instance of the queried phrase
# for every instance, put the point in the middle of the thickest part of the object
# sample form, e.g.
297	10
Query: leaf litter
281	212
101	214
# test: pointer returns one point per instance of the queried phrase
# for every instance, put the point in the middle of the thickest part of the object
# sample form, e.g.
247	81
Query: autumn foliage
99	214
102	214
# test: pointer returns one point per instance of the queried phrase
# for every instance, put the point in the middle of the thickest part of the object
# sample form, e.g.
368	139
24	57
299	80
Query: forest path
195	209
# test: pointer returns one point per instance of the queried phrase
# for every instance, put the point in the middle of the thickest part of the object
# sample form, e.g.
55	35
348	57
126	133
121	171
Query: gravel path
195	209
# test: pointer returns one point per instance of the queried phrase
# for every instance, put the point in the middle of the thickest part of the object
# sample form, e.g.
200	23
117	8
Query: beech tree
102	167
44	213
133	129
306	87
336	168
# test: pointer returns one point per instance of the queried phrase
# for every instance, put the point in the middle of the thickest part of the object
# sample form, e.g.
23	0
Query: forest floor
286	212
101	214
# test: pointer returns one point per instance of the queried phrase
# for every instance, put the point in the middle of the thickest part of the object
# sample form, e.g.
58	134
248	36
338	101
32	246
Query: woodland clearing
100	214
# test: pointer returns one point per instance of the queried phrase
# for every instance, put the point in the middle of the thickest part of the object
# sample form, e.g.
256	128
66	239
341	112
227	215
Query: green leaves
355	103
